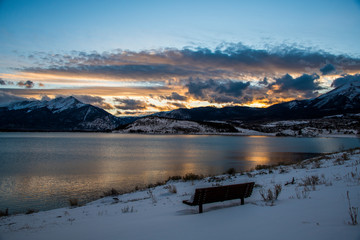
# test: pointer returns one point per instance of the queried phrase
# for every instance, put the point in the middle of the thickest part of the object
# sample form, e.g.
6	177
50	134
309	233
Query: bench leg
242	201
200	208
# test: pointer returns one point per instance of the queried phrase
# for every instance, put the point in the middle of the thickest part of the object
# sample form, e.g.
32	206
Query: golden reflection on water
259	152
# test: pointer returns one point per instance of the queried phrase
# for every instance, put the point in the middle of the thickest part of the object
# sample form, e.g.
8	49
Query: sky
139	57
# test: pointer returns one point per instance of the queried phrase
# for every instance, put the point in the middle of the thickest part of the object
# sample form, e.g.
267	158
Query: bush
271	195
355	175
303	194
73	202
339	161
345	156
4	213
231	171
192	177
260	167
111	192
152	196
311	181
30	211
171	188
154	185
216	179
175	178
316	164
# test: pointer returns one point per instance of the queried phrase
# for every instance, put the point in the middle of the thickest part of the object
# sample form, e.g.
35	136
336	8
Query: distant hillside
159	125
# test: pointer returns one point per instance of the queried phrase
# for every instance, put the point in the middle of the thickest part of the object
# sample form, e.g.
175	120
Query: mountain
69	114
342	100
159	125
59	114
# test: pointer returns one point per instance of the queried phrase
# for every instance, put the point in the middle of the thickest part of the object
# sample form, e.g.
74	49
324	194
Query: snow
249	132
351	90
292	104
99	123
166	126
284	123
301	212
61	104
55	105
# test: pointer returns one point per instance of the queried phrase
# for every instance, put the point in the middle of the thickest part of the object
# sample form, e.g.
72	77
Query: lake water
44	170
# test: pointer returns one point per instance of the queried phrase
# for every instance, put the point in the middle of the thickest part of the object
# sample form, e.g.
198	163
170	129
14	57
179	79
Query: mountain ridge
59	114
69	114
341	100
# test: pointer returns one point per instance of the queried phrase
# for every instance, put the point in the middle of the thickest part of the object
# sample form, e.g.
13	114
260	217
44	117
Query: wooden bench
220	194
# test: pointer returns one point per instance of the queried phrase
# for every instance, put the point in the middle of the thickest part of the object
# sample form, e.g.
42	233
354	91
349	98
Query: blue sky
46	47
136	25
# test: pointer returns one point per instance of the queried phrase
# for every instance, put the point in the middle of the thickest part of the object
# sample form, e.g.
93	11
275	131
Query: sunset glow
184	59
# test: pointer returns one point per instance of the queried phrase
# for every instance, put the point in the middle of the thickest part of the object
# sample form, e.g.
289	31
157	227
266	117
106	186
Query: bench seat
220	194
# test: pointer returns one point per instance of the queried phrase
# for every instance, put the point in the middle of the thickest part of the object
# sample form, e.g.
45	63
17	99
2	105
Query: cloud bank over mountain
152	80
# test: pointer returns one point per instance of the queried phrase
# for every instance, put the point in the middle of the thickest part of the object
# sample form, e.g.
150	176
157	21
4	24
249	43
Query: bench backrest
223	193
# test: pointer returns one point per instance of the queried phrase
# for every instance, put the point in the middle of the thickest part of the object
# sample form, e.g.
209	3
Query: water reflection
44	170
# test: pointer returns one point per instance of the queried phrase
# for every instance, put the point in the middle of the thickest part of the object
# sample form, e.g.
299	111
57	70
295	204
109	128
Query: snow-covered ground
285	123
302	211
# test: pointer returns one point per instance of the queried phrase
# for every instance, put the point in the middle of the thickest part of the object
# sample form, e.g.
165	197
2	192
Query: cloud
178	105
328	68
345	79
27	84
7	98
229	74
93	91
217	91
95	101
305	86
305	82
264	81
130	104
132	112
174	96
227	61
3	82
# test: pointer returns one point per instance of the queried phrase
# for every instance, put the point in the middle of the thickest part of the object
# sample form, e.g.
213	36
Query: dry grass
171	188
127	209
353	211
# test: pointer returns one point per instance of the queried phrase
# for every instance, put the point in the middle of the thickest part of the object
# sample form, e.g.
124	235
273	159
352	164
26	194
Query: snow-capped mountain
346	96
55	105
59	114
342	100
69	114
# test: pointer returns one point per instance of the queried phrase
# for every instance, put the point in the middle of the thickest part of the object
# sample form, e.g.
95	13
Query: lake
42	171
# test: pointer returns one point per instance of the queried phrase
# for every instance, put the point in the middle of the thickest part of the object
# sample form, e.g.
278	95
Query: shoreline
245	133
255	171
335	171
150	185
